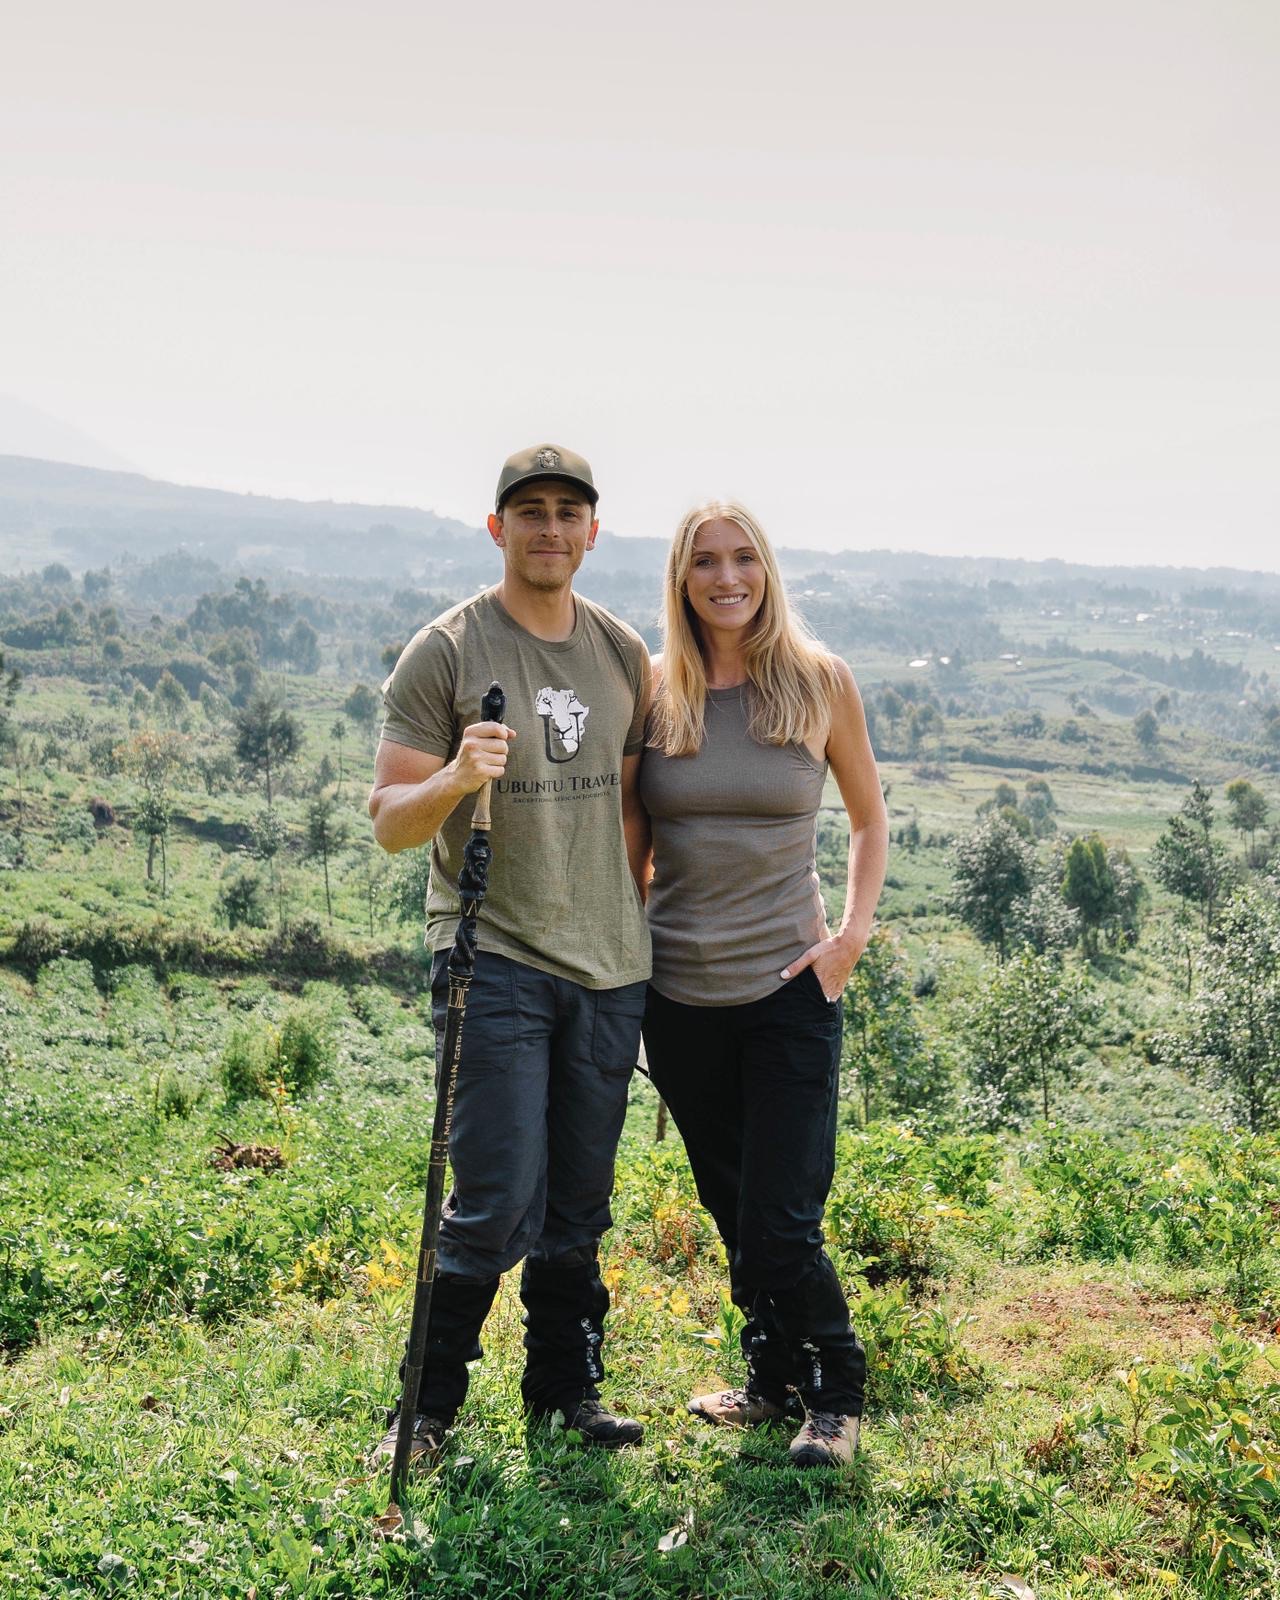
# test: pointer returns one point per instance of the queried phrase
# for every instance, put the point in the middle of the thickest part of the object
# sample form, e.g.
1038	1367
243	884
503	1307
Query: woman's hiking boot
424	1447
735	1408
827	1439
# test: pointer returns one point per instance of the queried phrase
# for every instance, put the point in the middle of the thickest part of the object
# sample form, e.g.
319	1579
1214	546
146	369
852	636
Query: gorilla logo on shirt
563	716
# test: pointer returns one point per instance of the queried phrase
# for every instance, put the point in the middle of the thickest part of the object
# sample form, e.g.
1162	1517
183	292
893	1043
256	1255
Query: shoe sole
816	1458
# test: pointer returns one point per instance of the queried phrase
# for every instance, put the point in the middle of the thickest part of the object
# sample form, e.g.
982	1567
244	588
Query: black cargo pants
541	1097
753	1091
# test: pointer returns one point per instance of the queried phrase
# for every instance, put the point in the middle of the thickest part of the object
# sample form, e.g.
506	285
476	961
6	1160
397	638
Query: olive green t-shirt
561	896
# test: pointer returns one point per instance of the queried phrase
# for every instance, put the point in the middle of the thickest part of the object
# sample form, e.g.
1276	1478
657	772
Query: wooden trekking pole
473	884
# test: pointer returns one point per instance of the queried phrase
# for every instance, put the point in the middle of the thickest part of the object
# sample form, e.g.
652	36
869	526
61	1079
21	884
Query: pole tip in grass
390	1524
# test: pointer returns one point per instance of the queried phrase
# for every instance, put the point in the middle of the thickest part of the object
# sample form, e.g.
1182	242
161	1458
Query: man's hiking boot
426	1444
735	1408
827	1439
600	1427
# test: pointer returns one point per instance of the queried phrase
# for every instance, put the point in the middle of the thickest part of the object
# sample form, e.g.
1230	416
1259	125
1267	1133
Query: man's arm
635	825
413	793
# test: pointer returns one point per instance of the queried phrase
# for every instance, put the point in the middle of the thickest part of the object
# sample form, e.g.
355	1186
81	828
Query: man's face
544	529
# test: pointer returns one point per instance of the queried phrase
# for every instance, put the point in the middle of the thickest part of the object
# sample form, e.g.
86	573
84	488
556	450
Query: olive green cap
544	461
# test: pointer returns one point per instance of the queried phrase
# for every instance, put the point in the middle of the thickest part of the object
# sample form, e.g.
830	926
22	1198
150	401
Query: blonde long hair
793	679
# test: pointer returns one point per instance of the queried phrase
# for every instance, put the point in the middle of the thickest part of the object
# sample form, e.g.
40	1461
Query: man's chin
549	577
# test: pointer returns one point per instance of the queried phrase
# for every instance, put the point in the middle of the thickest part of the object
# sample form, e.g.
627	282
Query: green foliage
1103	889
1246	809
1209	1435
1230	1031
1146	730
1188	860
1093	1194
885	1049
912	1350
267	737
25	1291
406	891
993	868
297	1053
894	1190
362	706
1021	1026
242	900
74	830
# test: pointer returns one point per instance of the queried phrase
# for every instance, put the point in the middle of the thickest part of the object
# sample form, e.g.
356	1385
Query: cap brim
588	489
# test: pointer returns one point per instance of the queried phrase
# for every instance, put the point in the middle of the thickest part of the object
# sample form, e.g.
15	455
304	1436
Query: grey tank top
735	893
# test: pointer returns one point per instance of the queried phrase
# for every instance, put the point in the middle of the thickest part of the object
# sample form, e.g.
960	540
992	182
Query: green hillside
1071	1318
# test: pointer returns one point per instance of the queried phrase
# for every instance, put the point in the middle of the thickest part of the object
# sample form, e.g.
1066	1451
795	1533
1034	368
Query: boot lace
826	1426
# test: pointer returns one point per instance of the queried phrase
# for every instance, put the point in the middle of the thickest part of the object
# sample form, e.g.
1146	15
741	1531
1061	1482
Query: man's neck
546	613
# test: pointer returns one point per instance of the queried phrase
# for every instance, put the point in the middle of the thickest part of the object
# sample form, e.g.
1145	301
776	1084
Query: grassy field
217	1347
1072	1330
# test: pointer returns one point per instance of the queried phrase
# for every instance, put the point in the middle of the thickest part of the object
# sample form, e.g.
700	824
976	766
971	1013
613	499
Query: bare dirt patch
1052	1328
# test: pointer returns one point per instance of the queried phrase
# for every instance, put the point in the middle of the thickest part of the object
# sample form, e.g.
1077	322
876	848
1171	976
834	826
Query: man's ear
591	537
495	530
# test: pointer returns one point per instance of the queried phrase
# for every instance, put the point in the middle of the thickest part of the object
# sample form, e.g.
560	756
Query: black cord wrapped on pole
473	884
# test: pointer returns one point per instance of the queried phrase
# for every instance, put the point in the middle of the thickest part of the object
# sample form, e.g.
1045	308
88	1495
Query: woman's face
726	581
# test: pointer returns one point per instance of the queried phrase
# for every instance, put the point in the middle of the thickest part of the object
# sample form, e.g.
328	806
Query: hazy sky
995	277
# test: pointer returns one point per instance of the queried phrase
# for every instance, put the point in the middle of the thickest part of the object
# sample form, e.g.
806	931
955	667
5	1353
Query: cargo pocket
615	1041
489	1024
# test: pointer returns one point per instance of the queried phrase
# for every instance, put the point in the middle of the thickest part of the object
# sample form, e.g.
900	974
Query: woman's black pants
753	1091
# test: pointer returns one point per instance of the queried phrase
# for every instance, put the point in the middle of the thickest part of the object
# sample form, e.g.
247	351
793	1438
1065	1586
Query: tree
10	682
1146	730
892	706
326	834
1089	887
240	900
154	758
362	706
992	869
170	701
885	1046
267	838
1187	860
1123	926
407	891
923	722
1231	1031
302	648
1022	1023
372	864
338	733
266	737
1246	809
1038	806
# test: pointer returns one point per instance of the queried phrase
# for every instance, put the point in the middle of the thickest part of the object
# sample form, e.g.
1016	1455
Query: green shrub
259	1054
36	943
1093	1194
242	901
1207	1433
25	1292
888	1203
74	830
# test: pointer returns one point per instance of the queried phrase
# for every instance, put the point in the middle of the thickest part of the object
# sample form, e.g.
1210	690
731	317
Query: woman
743	1017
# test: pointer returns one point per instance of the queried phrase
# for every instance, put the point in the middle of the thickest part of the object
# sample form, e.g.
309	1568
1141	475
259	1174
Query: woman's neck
725	664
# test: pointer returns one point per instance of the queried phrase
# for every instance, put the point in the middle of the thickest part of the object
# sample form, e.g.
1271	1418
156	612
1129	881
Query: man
553	1016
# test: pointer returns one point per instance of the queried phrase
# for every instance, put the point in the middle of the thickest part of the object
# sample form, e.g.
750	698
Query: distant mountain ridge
91	516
